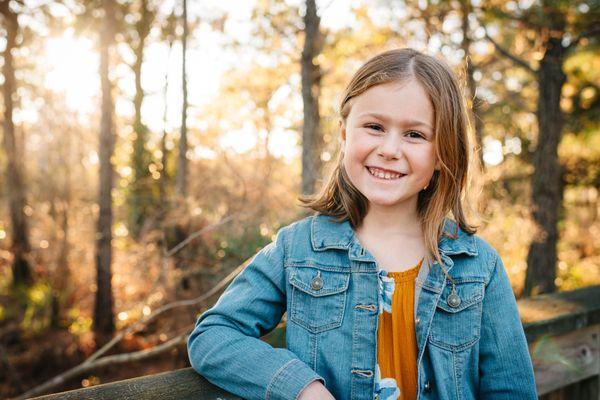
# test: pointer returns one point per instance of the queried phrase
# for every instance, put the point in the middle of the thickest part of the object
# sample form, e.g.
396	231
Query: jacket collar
326	234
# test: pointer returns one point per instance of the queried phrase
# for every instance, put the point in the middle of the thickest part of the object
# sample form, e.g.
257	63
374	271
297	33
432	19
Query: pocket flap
303	278
469	291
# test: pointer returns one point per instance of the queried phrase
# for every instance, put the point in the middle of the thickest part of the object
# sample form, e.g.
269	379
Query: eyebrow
409	122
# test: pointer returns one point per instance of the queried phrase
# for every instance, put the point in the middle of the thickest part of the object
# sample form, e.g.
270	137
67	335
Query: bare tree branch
185	242
508	54
166	254
145	321
525	19
592	32
108	360
194	235
182	303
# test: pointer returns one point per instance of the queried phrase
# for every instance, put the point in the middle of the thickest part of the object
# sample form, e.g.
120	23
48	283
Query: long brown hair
444	194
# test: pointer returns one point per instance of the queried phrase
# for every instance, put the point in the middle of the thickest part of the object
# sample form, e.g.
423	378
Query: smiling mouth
383	174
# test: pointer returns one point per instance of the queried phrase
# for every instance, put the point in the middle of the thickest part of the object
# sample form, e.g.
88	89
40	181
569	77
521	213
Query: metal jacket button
427	387
453	300
317	282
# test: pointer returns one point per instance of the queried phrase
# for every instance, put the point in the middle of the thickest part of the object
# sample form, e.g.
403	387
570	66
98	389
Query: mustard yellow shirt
396	339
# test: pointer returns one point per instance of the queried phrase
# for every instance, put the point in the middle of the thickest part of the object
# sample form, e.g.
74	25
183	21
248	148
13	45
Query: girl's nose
390	147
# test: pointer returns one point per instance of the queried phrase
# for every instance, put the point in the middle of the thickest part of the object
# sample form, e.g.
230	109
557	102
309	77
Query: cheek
349	163
425	161
357	148
350	151
352	162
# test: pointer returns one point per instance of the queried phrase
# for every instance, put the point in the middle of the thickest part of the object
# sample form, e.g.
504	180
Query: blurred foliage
35	318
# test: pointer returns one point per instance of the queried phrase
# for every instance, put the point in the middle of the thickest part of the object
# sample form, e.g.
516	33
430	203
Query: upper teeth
384	174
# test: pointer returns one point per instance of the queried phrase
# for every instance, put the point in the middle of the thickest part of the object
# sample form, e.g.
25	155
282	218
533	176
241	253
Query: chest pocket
318	298
458	327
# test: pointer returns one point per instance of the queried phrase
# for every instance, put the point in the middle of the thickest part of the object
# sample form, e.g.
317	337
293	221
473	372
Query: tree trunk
15	175
103	310
476	122
141	187
182	169
163	144
311	81
61	204
547	188
60	285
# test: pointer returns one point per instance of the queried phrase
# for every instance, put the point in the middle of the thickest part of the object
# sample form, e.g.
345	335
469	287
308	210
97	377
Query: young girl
386	296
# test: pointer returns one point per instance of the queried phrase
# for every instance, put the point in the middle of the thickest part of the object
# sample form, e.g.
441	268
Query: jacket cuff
290	380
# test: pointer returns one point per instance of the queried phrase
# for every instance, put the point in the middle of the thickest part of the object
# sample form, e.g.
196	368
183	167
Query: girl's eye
414	134
374	127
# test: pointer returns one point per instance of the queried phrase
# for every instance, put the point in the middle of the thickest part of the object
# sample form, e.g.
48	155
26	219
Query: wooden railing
562	329
563	332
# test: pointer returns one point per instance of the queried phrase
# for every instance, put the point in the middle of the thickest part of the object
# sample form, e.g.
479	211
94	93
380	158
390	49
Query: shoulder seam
493	268
284	242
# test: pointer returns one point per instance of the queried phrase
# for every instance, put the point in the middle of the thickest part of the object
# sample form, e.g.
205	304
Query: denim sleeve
225	346
505	367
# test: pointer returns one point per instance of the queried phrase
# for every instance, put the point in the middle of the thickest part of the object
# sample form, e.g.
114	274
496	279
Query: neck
386	222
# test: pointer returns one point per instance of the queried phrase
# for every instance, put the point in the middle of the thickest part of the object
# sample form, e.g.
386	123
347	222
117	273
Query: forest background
150	148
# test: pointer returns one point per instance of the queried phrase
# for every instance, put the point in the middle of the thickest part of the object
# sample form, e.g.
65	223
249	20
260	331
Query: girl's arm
225	346
316	391
505	367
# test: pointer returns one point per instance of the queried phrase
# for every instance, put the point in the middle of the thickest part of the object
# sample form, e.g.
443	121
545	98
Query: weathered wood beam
182	384
560	313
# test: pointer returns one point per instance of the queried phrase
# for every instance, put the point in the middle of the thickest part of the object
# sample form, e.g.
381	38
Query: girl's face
388	144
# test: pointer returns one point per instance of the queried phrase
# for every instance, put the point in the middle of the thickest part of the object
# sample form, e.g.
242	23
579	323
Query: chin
387	201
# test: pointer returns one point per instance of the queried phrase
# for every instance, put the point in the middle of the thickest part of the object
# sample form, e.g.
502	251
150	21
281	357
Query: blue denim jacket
318	272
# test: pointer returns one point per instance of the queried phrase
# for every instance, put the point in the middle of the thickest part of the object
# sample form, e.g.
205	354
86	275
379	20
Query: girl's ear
438	164
342	131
